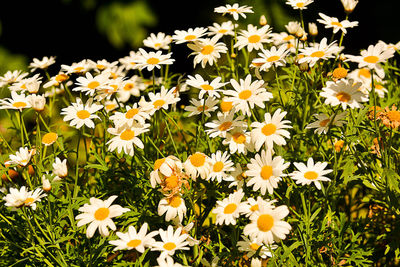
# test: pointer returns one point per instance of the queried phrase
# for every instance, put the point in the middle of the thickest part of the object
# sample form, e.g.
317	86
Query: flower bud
312	29
263	20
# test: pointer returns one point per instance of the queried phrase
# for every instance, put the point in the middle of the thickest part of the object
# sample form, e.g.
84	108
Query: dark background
68	30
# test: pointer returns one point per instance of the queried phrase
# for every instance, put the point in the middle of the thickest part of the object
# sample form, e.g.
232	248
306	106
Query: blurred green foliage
125	23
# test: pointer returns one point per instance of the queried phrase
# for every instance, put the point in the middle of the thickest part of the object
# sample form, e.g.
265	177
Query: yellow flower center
266	172
218	166
101	214
134	243
19	104
206	87
288	38
197	159
100	67
223	31
201	108
239	138
232	10
265	222
245	94
29	200
158	103
61	77
131	113
225	126
254	39
317	54
49	138
325	122
92	85
371	59
364	72
175	201
343	97
268	129
158	163
190	37
207	49
169	246
230	208
127	135
254	208
172	182
254	246
273	58
335	23
110	106
226	106
300	5
128	86
153	61
157	44
83	114
311	175
78	69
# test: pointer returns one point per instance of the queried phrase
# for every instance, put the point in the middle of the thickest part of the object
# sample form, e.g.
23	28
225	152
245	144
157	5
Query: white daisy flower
221	165
130	87
227	210
16	198
321	51
273	57
130	62
126	138
42	64
133	115
151	60
372	57
11	77
238	140
198	164
190	35
265	172
332	22
247	94
32	197
271	131
81	114
343	92
38	102
171	242
299	4
323	122
251	205
235	10
134	240
56	80
211	88
17	101
311	173
99	214
224	123
21	157
236	177
101	65
252	246
207	51
160	100
198	106
223	29
253	38
267	225
159	41
76	67
31	84
164	167
173	207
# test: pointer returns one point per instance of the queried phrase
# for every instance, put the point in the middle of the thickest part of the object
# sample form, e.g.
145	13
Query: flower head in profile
134	240
80	114
349	5
191	35
235	10
99	214
323	122
157	42
44	63
299	4
225	28
21	157
311	173
335	24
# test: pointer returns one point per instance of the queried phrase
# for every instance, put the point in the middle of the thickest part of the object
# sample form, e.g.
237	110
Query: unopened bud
263	20
312	29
